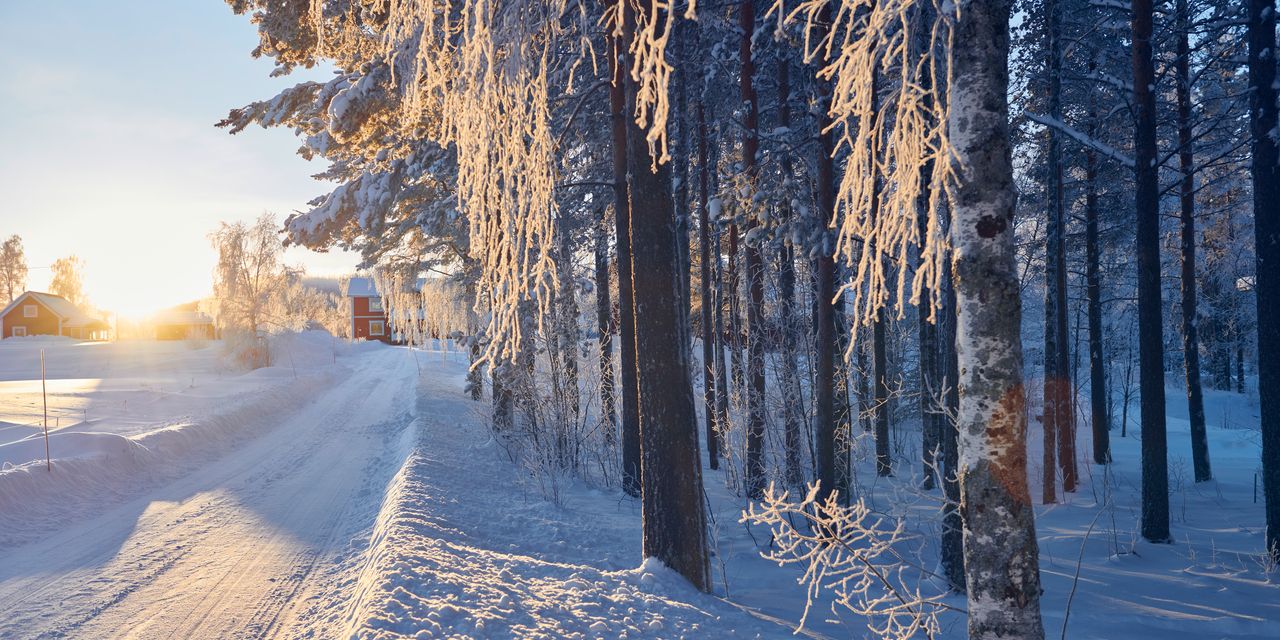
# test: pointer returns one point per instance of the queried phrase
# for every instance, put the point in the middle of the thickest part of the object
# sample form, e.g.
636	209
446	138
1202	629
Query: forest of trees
833	220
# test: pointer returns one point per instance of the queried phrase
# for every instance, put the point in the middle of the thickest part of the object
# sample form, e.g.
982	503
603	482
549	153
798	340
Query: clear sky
108	149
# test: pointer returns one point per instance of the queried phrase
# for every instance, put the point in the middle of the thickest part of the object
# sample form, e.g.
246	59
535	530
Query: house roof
71	315
182	317
366	288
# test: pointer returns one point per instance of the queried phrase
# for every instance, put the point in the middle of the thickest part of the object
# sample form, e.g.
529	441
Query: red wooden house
368	315
43	314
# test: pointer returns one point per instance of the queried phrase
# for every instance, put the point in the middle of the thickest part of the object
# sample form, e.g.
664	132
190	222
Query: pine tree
1155	463
754	262
1264	123
622	185
1186	201
672	511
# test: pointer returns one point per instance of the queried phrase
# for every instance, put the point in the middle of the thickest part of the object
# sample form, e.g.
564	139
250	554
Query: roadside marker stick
44	393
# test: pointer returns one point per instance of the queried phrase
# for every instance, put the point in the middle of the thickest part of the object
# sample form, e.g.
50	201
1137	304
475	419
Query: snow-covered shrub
246	350
852	553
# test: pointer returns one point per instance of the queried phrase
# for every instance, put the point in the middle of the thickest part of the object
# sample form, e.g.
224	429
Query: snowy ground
354	491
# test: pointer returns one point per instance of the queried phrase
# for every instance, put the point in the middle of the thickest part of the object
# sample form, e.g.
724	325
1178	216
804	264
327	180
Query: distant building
43	314
368	315
183	325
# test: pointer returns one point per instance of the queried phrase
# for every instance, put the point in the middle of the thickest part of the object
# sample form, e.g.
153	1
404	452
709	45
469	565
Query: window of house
375	328
375	304
29	311
18	332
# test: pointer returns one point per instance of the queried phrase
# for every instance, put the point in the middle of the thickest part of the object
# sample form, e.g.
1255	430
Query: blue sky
109	149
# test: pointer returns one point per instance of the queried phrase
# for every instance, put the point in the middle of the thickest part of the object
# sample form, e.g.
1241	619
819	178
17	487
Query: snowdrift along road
229	547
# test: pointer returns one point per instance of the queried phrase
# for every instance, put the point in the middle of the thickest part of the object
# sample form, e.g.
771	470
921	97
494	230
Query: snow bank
93	470
458	552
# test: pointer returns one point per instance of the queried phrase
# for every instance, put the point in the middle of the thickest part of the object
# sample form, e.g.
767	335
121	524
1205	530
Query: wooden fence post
44	393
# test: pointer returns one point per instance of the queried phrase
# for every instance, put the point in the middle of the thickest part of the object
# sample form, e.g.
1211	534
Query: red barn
44	314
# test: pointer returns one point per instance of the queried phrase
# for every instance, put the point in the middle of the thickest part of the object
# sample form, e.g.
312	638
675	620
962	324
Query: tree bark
1099	418
952	551
792	411
755	479
1155	464
626	303
672	511
824	299
1266	229
930	423
566	297
879	353
604	324
880	400
1187	202
707	252
1001	556
1057	386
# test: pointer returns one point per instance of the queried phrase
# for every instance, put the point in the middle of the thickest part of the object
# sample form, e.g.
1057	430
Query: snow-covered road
243	545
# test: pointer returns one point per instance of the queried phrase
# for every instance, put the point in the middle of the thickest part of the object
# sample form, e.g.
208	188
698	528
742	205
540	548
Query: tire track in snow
248	575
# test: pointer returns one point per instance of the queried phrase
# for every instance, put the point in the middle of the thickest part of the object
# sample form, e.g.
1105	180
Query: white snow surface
355	492
320	507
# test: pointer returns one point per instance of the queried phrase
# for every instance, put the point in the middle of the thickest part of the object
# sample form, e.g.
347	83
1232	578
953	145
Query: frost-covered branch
1092	143
849	551
885	60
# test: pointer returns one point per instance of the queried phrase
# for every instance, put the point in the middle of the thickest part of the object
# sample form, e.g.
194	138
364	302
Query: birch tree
1000	550
13	268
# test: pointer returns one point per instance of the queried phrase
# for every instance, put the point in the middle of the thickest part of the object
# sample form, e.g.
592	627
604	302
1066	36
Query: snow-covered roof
366	288
71	315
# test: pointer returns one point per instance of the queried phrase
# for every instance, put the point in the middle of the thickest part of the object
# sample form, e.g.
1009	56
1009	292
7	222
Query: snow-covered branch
1092	143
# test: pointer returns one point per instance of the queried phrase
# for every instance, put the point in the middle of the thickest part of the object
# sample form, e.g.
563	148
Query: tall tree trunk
880	399
792	411
604	324
682	155
879	353
1099	419
952	551
1266	229
672	510
1000	551
733	308
824	298
845	328
722	377
707	253
1057	385
755	479
1155	464
626	304
930	419
1187	200
568	329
